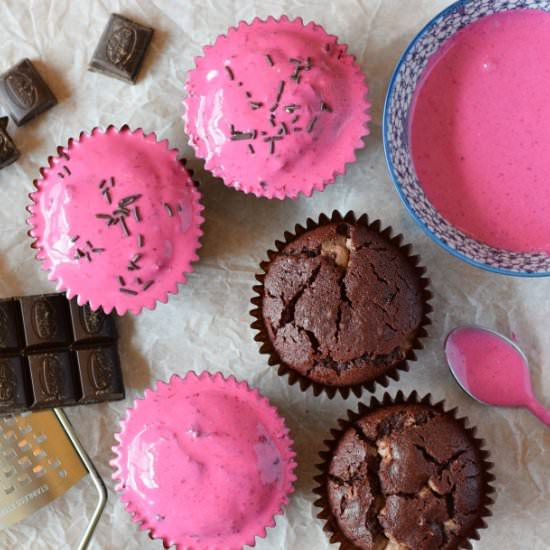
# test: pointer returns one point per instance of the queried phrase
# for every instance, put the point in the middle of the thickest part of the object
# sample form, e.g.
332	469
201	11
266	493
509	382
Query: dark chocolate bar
8	150
54	353
121	48
24	93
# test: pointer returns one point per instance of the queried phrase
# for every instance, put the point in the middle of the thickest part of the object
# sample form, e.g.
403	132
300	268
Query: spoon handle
540	411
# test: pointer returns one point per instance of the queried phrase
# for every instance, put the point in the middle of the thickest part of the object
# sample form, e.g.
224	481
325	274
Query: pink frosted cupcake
276	108
204	462
116	220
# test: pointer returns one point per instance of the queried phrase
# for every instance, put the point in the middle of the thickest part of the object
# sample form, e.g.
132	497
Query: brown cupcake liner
267	347
322	502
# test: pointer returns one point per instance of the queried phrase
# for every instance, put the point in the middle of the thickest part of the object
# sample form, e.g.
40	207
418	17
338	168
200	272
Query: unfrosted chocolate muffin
342	304
405	477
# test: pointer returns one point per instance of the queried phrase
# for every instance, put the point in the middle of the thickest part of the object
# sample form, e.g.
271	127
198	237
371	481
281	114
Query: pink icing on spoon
492	369
204	462
276	108
116	219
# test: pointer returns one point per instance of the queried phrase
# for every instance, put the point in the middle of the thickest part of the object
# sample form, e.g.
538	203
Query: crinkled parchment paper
206	326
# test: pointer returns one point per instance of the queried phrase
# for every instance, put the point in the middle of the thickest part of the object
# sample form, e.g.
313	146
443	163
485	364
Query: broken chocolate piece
8	150
24	93
121	49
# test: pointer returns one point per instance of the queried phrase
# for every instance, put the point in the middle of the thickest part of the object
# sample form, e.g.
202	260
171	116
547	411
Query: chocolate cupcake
341	306
404	475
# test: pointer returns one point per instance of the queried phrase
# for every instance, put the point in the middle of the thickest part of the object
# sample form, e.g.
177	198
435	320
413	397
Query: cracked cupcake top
342	304
276	108
405	477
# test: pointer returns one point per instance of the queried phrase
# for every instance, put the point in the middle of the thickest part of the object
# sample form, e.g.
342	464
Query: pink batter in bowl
204	463
466	133
116	220
276	108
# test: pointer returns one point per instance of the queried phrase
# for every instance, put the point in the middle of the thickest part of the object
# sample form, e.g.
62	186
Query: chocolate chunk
8	150
45	321
55	353
100	375
52	380
91	325
24	93
121	48
13	394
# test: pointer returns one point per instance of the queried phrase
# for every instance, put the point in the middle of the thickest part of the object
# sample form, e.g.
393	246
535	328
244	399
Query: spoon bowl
492	369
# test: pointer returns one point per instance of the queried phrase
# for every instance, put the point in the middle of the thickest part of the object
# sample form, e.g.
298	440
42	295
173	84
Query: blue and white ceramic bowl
397	111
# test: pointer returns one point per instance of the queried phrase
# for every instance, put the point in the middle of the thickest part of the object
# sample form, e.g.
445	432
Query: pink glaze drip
144	252
489	368
480	131
292	92
206	463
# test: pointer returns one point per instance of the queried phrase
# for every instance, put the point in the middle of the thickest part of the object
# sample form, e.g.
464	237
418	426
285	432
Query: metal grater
40	460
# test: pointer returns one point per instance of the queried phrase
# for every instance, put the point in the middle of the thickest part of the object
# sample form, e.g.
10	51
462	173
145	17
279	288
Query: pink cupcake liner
73	268
246	166
135	423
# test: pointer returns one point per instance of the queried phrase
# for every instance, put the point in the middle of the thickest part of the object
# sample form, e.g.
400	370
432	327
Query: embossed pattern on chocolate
55	353
121	48
8	150
24	93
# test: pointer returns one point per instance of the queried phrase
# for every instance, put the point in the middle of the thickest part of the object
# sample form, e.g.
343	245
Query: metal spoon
492	369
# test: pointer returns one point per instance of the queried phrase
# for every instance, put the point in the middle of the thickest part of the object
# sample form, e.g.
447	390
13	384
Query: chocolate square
10	323
100	374
52	379
13	381
24	93
121	48
45	321
91	325
8	150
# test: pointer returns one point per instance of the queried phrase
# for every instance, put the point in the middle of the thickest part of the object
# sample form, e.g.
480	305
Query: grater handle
96	478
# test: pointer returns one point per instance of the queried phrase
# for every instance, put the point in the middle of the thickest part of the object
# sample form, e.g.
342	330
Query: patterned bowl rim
452	8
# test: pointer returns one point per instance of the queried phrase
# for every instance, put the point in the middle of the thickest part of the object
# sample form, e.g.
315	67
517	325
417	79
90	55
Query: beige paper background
206	326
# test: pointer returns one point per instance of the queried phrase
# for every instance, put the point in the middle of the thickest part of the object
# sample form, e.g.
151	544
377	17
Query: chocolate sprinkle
121	280
102	184
295	119
248	94
88	256
137	215
89	244
168	209
269	60
147	285
251	148
107	195
112	181
325	107
128	291
280	91
139	280
67	170
98	250
140	240
239	136
137	258
103	216
126	201
311	124
256	105
74	239
291	108
125	229
297	129
60	175
230	72
284	129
